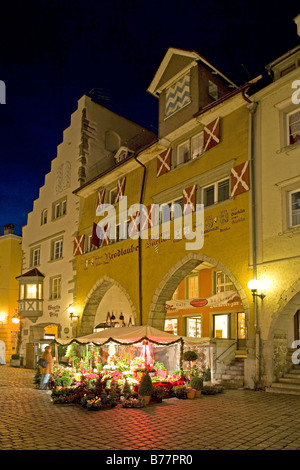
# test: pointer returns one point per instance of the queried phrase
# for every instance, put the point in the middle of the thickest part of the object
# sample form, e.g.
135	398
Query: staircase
289	384
233	376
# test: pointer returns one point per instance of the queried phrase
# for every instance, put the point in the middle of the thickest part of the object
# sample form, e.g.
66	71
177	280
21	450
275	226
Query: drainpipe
252	109
140	243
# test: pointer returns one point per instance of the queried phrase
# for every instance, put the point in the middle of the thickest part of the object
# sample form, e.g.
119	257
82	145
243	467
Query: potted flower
158	394
58	382
190	392
197	384
15	360
180	391
206	376
145	388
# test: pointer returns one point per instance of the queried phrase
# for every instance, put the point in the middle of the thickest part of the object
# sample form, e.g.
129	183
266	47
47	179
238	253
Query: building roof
32	273
191	56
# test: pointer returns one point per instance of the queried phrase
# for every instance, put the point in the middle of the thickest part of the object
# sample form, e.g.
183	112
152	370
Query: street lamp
71	311
253	285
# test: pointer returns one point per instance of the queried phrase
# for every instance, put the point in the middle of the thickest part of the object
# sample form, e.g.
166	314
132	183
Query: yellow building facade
201	157
10	267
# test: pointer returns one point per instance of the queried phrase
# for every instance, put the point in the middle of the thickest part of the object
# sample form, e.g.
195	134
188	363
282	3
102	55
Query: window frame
57	289
44	217
215	185
59	208
198	320
189	142
288	135
290	211
187	286
33	251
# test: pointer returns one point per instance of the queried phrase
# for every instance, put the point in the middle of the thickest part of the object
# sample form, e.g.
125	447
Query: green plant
15	356
113	397
145	386
127	392
180	391
160	366
158	394
190	356
196	383
206	374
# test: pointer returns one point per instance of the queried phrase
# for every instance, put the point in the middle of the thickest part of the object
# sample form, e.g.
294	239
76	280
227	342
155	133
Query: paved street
233	420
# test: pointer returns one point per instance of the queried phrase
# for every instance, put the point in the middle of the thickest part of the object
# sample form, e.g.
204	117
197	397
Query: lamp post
254	285
71	312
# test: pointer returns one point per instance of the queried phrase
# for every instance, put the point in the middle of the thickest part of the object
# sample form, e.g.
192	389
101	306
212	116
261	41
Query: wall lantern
253	285
71	311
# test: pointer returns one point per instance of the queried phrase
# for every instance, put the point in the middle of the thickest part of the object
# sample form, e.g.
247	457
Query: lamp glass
253	284
71	310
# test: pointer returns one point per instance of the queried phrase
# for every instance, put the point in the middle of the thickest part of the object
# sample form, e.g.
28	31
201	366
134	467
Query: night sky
52	52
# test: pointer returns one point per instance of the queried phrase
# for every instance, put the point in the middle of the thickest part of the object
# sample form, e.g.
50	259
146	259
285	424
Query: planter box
15	362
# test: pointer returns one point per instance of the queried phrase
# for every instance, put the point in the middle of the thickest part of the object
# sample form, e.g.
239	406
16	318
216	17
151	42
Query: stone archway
175	275
278	343
94	298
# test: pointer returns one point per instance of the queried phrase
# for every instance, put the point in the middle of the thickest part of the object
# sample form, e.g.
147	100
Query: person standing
46	371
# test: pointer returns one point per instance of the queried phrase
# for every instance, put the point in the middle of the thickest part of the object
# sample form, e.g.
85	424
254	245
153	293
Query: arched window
44	217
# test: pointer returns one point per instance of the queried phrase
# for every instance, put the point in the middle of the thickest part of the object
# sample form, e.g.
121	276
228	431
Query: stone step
285	391
290	378
281	385
227	376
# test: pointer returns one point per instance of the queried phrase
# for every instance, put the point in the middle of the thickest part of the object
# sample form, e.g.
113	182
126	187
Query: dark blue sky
54	51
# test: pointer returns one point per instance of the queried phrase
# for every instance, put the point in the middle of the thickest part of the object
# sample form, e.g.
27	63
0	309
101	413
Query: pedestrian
46	371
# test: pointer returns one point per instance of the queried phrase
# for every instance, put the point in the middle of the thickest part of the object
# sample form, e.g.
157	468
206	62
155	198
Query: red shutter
240	179
105	235
101	197
211	134
147	218
189	199
78	245
164	162
120	189
134	226
95	240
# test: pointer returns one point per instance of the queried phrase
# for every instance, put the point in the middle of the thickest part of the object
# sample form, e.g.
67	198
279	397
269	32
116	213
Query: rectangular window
190	149
193	327
31	291
183	152
293	122
221	326
57	249
223	283
55	287
59	208
192	286
171	210
294	207
197	145
171	325
44	217
36	257
216	192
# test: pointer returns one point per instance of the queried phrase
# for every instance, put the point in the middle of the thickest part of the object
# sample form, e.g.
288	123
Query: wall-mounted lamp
253	285
15	320
71	311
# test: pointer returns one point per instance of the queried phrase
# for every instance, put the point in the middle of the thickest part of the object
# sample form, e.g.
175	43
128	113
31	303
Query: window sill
288	148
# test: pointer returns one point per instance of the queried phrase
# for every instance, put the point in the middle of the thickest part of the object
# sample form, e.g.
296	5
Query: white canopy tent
130	335
168	347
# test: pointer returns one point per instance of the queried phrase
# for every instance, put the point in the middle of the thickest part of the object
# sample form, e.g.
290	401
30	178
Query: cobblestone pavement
235	419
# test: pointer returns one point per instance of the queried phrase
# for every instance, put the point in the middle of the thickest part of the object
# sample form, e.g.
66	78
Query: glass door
241	330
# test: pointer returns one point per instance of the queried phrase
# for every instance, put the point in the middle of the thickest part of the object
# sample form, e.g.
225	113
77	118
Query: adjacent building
48	280
10	267
276	215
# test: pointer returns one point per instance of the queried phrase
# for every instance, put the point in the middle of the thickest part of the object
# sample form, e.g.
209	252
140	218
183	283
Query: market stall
117	359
